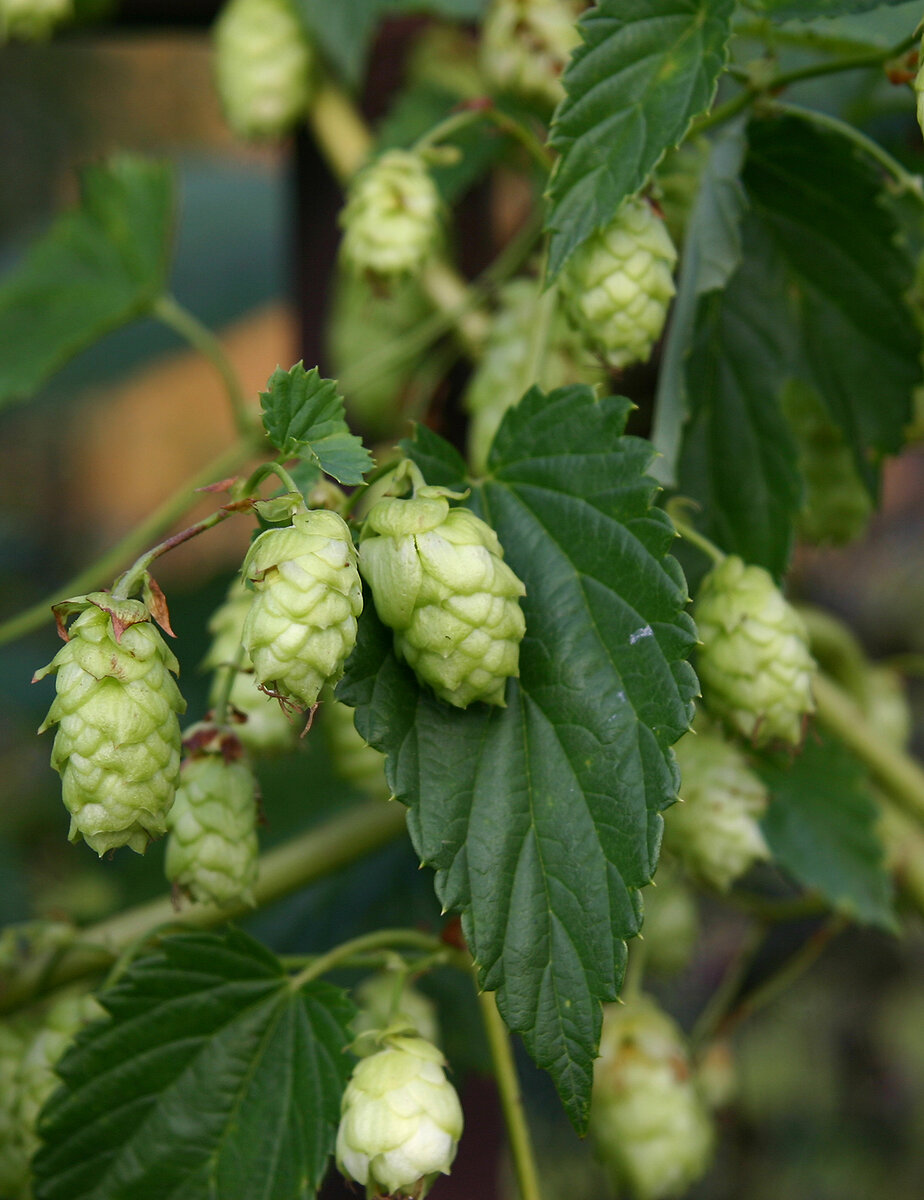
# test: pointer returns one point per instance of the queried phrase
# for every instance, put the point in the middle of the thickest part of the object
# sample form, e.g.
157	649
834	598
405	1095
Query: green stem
637	952
142	535
508	1087
181	321
313	855
900	775
692	536
447	127
264	471
540	154
413	939
358	492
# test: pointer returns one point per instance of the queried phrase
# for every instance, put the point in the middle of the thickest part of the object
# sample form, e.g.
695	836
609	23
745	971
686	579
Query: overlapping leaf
214	1077
99	266
542	818
644	72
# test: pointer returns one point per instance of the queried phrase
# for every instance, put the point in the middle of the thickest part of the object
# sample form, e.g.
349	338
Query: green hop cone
388	1002
264	66
353	758
391	217
618	285
504	373
265	728
212	848
715	831
439	581
671	928
400	1120
117	748
526	45
302	623
647	1120
753	662
32	20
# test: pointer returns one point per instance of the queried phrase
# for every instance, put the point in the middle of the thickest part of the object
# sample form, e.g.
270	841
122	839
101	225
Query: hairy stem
381	939
511	1098
310	856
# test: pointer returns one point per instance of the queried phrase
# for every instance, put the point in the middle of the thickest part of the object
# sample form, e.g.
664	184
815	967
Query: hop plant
212	848
715	831
117	748
753	663
14	1151
265	729
526	45
389	1003
439	581
503	374
391	217
302	623
671	928
353	758
264	66
32	20
400	1120
647	1119
617	286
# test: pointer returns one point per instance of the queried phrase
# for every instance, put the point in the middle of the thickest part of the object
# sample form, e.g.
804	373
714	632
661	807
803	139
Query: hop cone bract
117	748
439	581
302	623
400	1120
753	663
526	45
715	831
32	20
391	216
617	286
212	848
386	1001
647	1120
263	66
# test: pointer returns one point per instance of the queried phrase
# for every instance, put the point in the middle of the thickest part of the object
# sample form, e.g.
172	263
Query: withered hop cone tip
117	747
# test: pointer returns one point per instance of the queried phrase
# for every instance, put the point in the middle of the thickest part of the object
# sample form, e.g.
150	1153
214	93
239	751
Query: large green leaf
98	266
644	72
807	10
821	827
214	1077
542	819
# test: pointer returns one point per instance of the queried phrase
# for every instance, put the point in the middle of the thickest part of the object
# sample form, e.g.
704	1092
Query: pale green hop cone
117	748
647	1119
264	67
671	928
391	217
525	47
32	20
754	663
618	285
400	1120
716	831
390	1003
302	624
439	581
212	848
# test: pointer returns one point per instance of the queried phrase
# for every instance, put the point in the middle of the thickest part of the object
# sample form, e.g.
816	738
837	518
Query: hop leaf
117	748
263	67
715	831
439	581
391	217
618	284
753	663
526	44
646	1118
401	1120
302	623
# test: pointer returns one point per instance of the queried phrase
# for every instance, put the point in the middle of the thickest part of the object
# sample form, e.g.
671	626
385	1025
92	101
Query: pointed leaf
212	1078
98	266
303	415
644	72
542	818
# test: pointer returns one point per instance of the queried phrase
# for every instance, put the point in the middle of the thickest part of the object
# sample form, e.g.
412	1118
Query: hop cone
386	1002
671	928
503	374
302	623
265	729
391	217
400	1121
716	1077
263	67
526	45
618	284
647	1120
212	848
117	748
754	664
439	581
32	20
353	758
715	831
14	1151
